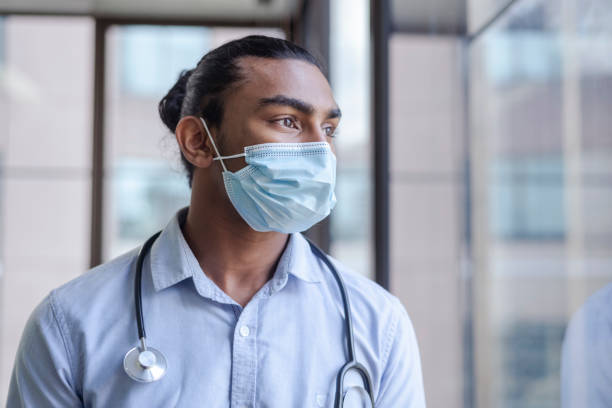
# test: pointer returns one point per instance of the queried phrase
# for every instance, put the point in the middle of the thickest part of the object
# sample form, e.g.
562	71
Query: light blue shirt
586	364
283	349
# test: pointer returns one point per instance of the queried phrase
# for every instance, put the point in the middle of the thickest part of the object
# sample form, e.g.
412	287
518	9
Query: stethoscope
146	364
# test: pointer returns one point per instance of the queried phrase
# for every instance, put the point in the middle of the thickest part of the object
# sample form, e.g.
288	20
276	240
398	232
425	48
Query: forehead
266	77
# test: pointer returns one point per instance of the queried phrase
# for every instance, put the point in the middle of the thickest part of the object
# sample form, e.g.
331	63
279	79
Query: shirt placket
244	357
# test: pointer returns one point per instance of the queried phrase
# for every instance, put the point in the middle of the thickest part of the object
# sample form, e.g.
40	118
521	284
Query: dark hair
198	90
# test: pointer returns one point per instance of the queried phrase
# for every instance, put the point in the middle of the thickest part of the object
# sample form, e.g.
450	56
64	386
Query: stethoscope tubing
352	363
138	285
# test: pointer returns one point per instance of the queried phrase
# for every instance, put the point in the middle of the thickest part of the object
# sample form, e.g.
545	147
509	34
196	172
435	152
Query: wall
427	194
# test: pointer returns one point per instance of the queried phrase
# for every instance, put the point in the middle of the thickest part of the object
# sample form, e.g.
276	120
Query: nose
316	134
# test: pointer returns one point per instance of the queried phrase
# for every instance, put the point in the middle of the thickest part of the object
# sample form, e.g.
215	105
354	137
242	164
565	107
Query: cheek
228	147
229	143
333	147
260	131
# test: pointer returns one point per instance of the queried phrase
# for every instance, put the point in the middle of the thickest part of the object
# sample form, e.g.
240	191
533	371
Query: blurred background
474	154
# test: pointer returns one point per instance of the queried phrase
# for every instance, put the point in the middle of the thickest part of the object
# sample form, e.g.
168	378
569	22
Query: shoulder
589	335
584	373
600	303
89	297
387	337
367	294
592	322
595	315
97	281
81	304
376	309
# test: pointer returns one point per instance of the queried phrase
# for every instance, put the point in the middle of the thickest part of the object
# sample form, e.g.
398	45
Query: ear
194	142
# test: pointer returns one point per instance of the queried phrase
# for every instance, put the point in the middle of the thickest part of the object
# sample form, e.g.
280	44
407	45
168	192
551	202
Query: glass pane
481	12
351	220
45	155
540	97
145	181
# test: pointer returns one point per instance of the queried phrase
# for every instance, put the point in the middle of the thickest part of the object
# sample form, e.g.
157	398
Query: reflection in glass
540	87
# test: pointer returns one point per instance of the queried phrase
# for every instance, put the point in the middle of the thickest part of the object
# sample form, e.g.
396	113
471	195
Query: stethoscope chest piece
146	365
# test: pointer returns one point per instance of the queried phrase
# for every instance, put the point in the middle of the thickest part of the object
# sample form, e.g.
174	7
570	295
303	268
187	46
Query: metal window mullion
97	166
380	26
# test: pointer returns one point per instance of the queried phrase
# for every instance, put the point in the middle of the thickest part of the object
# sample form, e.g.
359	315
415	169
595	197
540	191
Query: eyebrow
296	104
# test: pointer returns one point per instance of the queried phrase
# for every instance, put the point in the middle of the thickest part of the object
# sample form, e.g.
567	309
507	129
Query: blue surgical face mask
285	187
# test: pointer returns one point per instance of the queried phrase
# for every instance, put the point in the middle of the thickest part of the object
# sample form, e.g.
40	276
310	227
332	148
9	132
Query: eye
330	131
287	122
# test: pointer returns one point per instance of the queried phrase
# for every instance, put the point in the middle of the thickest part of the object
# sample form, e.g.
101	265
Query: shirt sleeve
586	371
42	373
402	380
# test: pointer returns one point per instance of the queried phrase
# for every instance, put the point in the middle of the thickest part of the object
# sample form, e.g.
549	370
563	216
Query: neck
237	258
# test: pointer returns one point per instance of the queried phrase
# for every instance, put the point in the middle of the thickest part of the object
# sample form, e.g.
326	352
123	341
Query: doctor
244	310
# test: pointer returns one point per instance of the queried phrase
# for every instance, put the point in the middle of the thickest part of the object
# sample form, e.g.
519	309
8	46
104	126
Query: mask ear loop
214	145
219	157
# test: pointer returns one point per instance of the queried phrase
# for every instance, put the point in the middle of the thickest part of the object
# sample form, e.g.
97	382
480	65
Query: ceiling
429	16
417	16
230	10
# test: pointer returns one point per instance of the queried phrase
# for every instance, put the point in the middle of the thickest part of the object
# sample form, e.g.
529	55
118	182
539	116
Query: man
246	314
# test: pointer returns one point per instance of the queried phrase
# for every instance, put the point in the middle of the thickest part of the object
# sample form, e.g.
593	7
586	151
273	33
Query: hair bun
170	105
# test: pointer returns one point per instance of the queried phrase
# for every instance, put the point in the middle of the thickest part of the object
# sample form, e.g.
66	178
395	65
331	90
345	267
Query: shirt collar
299	260
172	261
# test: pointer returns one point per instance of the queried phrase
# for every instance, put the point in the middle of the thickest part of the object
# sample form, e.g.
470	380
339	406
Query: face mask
285	187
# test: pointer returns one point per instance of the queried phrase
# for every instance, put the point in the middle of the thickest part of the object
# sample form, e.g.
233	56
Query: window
351	219
540	86
45	149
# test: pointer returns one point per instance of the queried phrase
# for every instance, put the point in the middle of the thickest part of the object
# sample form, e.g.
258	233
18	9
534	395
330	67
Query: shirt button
244	331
